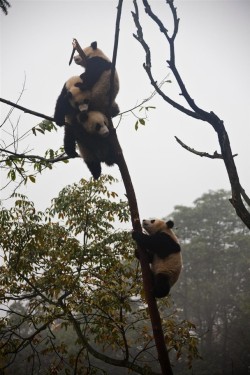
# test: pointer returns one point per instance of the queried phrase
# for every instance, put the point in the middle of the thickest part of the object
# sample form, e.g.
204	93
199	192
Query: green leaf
12	174
32	178
142	121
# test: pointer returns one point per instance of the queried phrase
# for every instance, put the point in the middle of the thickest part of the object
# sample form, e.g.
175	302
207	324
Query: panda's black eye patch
152	221
98	127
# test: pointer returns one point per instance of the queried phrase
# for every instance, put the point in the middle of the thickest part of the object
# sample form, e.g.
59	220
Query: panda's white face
96	123
156	225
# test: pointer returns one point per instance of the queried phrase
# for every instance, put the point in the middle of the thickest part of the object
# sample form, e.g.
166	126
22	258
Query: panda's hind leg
95	168
161	285
115	110
90	159
70	141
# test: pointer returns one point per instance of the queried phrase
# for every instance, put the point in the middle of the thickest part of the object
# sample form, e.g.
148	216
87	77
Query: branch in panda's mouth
72	55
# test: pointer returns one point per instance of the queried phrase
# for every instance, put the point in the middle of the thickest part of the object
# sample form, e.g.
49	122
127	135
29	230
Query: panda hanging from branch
83	107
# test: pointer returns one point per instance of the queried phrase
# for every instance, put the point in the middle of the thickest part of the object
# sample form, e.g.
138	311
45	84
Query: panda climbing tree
164	254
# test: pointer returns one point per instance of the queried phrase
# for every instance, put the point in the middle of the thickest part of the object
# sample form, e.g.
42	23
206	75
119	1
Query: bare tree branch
147	67
245	196
215	155
26	110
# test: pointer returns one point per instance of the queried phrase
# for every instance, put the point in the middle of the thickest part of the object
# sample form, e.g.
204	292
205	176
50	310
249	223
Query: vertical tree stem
146	274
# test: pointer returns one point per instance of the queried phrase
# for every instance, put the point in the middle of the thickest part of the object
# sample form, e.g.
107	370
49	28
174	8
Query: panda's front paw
59	121
136	235
73	154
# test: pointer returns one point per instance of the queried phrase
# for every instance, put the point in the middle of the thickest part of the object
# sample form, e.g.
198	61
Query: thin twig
11	110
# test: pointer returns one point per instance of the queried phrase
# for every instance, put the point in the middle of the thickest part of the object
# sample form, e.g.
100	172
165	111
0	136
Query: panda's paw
73	155
59	121
136	235
115	110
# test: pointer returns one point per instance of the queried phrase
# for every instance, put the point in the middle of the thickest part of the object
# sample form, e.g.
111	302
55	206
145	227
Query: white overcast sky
213	58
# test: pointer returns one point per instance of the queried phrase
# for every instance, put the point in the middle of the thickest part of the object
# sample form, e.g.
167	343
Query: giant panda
90	90
90	130
96	78
164	254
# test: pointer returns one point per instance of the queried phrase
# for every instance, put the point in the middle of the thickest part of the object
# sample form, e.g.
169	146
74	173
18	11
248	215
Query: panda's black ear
170	224
94	45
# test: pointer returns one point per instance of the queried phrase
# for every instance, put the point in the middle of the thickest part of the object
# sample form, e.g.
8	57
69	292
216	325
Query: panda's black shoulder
99	63
94	69
165	245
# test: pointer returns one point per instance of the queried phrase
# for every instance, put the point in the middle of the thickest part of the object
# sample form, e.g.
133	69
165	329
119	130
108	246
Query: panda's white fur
90	130
164	253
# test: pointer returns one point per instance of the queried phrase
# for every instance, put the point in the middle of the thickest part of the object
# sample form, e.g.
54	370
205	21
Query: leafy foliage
44	126
69	270
21	167
141	120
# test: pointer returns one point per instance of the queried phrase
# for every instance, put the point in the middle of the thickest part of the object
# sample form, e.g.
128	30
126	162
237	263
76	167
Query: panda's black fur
164	254
94	147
